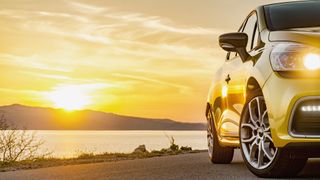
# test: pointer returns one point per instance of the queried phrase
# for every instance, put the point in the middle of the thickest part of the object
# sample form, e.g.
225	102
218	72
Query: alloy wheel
210	135
256	142
210	143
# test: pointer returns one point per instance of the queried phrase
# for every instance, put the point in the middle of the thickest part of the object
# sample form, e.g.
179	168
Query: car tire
217	154
260	155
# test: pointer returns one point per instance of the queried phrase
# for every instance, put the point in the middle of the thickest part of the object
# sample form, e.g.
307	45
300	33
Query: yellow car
265	99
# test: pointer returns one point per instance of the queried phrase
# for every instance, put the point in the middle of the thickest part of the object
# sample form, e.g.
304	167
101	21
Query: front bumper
281	95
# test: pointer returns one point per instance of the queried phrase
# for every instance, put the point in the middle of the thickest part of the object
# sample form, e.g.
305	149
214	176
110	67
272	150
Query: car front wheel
258	151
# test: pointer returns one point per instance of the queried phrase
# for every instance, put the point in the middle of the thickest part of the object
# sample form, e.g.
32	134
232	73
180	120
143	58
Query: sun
69	97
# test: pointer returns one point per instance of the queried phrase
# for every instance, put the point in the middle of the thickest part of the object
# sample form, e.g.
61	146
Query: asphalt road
187	166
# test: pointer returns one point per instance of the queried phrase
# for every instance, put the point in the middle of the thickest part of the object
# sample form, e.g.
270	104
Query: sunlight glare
69	98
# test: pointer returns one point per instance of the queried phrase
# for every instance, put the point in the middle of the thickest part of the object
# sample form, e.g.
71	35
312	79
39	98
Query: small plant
17	145
185	148
173	146
85	156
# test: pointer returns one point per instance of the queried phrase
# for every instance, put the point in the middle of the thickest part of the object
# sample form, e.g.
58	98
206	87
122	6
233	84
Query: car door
234	74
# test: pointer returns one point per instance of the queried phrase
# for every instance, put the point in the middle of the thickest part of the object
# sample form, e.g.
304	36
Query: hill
39	118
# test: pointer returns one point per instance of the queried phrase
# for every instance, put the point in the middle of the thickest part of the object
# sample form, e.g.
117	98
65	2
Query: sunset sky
147	58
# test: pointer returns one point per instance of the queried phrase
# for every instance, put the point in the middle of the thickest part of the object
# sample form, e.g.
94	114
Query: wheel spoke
259	110
265	122
244	125
253	150
260	155
268	137
264	114
249	140
263	117
266	150
267	130
253	119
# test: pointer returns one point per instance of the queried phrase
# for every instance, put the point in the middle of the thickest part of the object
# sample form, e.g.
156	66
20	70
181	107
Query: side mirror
235	42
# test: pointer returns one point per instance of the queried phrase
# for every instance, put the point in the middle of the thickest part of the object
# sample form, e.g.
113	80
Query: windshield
294	15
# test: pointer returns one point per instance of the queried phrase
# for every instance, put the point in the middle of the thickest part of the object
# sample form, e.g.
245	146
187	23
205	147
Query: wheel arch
252	88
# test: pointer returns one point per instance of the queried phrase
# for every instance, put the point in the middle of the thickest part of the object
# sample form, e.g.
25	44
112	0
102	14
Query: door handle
228	79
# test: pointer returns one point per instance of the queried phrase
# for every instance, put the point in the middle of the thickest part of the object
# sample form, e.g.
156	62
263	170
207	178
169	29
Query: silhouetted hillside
38	118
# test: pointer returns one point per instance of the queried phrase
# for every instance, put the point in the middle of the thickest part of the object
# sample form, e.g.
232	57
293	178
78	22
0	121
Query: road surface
187	166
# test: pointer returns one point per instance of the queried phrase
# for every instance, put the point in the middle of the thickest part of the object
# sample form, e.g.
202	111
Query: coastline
89	158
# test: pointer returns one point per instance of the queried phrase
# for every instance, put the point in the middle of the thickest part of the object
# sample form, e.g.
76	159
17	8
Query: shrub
17	145
173	146
185	148
86	156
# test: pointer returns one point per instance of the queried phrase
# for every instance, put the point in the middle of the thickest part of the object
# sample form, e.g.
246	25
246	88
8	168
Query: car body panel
227	123
280	102
299	36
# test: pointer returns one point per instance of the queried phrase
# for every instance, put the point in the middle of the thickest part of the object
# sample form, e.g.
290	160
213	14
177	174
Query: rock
140	149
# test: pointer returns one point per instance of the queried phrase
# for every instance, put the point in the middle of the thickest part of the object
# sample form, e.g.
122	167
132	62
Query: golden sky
147	58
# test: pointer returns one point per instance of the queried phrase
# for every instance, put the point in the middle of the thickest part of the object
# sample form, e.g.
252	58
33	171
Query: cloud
48	76
55	30
87	8
78	18
24	92
181	88
161	24
33	62
90	86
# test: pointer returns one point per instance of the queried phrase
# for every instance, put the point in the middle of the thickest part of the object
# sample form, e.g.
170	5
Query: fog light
310	108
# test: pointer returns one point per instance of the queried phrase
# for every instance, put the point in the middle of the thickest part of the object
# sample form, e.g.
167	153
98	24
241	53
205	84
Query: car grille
306	118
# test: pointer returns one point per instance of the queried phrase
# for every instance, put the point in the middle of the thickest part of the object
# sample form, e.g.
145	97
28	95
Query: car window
256	35
284	16
249	29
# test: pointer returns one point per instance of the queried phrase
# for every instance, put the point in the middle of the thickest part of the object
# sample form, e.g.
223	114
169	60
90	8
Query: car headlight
295	57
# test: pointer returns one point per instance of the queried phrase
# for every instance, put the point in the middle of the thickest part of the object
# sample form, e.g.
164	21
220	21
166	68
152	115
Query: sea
66	144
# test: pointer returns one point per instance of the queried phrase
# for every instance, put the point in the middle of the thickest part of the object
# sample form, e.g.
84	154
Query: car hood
310	38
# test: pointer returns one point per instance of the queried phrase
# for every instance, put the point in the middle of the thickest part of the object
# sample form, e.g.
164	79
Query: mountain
39	118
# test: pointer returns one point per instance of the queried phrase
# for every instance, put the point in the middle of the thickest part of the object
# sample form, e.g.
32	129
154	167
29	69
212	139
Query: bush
17	145
185	148
173	145
85	156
